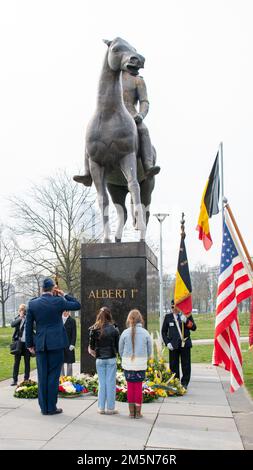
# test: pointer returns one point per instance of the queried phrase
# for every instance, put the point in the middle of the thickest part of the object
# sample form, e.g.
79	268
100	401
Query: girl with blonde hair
135	349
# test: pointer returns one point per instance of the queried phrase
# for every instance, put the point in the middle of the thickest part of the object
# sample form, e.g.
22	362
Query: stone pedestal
121	276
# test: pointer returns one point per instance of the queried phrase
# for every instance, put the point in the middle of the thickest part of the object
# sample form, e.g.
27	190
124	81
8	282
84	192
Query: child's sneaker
112	412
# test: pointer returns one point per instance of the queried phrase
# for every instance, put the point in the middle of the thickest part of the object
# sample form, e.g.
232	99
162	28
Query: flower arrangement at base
26	389
121	393
162	380
160	383
71	387
148	394
92	383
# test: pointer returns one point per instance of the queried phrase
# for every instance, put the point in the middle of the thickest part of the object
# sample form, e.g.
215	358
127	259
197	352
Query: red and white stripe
234	286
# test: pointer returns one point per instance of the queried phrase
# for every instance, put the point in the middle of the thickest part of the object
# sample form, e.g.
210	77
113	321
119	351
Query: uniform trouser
27	357
185	355
49	364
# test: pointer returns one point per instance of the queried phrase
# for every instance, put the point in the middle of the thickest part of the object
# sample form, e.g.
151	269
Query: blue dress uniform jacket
47	311
49	342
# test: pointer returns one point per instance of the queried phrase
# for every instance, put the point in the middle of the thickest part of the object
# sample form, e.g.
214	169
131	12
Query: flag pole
231	215
182	236
222	182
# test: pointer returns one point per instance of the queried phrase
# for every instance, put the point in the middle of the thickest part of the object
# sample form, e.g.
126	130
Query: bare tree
213	284
28	284
54	217
7	257
200	287
168	290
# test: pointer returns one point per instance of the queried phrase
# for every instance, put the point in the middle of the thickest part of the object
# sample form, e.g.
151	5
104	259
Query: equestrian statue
119	156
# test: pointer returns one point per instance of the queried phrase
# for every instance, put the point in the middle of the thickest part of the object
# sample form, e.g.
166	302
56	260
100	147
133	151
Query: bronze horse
117	187
112	137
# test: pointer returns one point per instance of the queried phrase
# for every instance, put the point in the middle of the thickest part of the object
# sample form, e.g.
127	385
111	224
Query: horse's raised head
123	56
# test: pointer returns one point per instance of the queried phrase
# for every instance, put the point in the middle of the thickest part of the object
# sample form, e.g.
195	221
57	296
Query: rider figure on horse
134	92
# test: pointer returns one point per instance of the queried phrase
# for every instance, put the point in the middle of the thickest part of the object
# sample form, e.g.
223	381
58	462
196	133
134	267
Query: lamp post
161	218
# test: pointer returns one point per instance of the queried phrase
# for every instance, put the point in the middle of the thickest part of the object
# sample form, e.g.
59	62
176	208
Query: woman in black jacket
103	344
19	334
69	352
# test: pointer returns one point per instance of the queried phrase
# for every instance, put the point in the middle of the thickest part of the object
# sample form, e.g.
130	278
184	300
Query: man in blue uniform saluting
49	341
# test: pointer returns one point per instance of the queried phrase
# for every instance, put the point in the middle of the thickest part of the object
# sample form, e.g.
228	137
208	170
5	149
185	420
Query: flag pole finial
182	226
56	278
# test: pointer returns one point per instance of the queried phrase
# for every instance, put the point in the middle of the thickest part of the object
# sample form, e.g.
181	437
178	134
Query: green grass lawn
153	322
205	325
199	353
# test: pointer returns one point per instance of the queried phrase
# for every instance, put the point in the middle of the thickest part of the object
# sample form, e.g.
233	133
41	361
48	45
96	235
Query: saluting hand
57	291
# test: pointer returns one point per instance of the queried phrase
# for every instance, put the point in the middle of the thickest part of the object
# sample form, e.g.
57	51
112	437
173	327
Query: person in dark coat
103	345
19	334
69	352
176	336
50	340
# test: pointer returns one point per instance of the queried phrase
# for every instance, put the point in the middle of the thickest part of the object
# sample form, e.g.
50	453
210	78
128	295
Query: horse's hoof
84	179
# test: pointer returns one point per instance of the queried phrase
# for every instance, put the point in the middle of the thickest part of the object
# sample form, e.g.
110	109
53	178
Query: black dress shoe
56	412
14	383
43	413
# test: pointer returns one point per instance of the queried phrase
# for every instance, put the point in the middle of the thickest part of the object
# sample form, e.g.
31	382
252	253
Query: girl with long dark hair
103	344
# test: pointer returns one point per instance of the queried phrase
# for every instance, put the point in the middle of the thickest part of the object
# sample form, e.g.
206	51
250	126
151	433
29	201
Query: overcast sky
199	76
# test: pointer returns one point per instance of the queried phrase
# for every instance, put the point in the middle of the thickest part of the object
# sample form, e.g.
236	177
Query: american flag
234	285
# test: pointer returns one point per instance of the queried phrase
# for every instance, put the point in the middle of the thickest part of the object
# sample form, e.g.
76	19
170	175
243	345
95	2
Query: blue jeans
106	369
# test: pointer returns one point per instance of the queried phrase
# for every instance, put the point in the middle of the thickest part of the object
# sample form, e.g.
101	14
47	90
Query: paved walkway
207	417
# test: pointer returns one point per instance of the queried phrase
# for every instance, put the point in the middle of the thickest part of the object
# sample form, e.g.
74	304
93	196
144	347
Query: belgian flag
183	288
209	204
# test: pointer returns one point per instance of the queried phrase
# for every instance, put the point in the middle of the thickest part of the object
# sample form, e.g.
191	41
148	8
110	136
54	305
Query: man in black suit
69	352
176	335
49	341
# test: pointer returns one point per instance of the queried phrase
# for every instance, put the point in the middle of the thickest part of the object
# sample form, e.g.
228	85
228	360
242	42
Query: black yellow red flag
183	288
209	204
